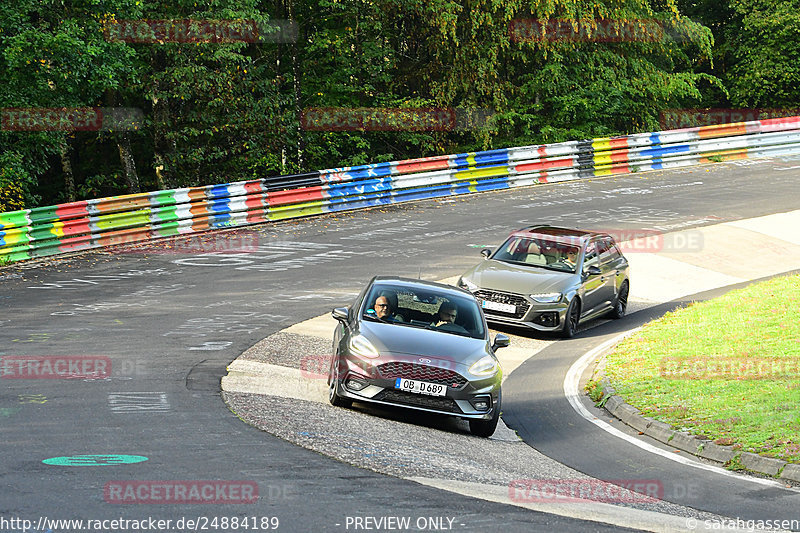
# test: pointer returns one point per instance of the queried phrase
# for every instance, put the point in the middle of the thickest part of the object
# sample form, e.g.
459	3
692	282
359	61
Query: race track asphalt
170	317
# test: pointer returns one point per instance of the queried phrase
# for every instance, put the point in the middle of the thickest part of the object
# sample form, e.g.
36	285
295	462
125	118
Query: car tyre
334	398
571	319
485	428
621	301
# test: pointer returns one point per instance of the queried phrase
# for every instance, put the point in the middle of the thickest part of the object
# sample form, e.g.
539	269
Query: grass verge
727	369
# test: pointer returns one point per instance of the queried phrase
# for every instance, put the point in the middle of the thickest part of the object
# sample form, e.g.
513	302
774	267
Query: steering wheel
455	328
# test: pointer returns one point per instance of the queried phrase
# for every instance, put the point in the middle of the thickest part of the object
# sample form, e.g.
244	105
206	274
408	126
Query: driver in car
570	258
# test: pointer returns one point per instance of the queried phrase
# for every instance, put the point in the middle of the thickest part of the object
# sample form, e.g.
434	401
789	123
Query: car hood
507	277
397	339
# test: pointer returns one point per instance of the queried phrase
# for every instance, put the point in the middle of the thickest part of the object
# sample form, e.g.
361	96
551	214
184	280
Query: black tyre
334	398
485	428
621	301
571	319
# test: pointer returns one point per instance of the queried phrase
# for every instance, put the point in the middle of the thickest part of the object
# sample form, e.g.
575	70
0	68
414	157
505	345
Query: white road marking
571	384
131	402
604	513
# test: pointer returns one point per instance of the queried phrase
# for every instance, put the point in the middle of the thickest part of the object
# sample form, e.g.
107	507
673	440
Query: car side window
608	250
591	255
602	251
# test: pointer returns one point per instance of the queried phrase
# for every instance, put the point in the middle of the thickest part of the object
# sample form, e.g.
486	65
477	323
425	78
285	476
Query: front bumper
369	384
528	314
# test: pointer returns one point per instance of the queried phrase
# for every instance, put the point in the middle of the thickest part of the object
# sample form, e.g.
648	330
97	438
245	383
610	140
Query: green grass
662	369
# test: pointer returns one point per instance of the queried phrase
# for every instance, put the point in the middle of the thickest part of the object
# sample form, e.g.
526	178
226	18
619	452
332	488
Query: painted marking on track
34	337
99	307
788	168
571	386
212	345
134	402
94	460
32	398
237	322
97	278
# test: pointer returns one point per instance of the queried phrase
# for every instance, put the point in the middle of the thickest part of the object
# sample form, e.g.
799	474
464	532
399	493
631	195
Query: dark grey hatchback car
551	279
418	345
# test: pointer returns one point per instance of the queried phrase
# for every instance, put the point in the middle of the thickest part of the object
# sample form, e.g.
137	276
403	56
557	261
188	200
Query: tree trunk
160	114
125	153
280	85
159	142
66	166
128	164
298	110
159	167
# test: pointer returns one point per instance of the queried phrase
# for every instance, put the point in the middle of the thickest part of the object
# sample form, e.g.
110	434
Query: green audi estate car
550	279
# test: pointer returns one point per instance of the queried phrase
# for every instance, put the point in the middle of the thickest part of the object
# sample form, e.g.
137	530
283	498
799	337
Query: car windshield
424	307
540	251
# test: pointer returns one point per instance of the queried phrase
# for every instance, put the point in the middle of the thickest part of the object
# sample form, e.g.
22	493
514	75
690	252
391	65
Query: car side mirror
342	314
486	252
592	271
501	341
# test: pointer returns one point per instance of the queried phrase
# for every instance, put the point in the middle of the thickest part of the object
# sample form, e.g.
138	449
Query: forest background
229	108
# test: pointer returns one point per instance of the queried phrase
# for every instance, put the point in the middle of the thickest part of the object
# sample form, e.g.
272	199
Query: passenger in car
447	314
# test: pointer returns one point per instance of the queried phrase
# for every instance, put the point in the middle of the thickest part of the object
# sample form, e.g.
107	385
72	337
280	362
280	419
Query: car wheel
334	398
485	428
621	301
571	319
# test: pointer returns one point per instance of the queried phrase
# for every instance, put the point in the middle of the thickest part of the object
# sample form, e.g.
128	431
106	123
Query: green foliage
724	368
227	111
766	53
594	388
15	180
757	51
11	198
549	88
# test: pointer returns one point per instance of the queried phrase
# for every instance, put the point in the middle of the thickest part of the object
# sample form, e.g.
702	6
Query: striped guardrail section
44	231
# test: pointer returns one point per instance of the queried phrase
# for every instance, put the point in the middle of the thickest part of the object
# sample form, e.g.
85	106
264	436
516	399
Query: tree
765	46
54	56
221	109
756	51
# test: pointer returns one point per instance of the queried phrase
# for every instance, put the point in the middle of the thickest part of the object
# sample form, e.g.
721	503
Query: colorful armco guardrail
44	231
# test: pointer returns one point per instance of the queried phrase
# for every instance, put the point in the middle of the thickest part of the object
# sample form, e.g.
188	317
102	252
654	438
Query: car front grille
439	403
521	303
430	374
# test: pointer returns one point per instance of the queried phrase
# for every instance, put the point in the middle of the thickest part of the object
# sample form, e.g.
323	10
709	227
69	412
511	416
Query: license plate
496	306
420	387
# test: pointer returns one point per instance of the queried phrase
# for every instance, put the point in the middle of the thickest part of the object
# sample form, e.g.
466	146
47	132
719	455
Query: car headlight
360	345
485	366
546	298
466	284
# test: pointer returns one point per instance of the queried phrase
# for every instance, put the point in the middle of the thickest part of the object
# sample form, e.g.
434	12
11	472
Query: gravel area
287	349
403	444
399	442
